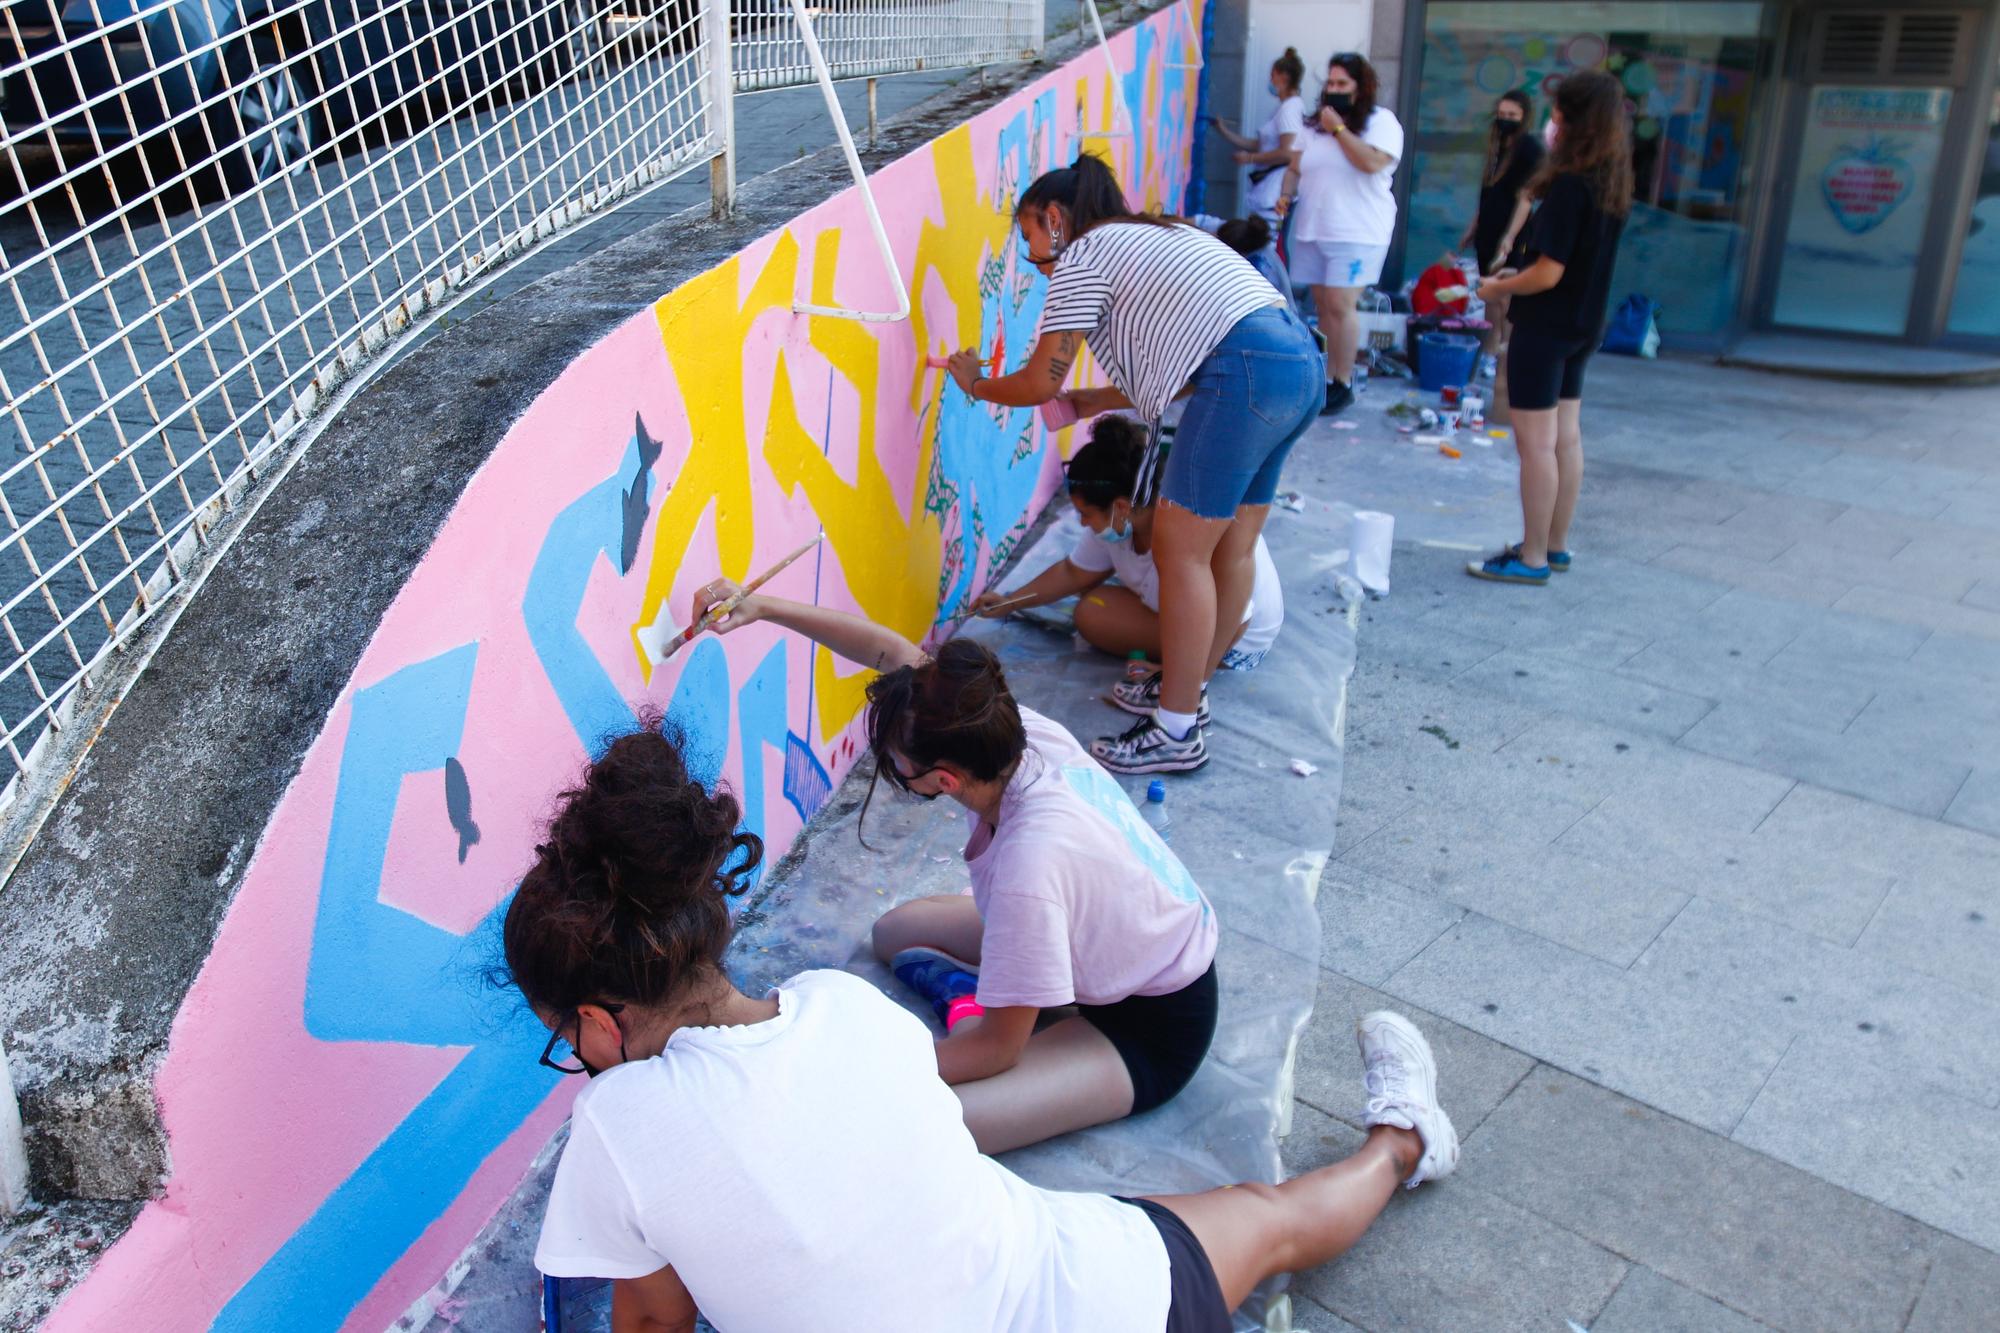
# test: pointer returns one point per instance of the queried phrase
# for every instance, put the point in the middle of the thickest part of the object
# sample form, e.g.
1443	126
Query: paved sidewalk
1689	864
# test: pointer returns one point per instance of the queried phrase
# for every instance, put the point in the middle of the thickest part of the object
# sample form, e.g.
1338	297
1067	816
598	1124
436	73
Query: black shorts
1194	1302
1543	368
1162	1038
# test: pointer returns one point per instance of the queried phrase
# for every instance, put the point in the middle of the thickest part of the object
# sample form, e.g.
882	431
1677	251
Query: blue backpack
1633	329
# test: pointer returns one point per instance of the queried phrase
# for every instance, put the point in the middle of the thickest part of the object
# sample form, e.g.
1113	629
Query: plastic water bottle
1359	383
1137	667
1154	811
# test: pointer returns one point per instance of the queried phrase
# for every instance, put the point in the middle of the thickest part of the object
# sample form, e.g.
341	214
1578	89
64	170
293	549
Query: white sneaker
1402	1078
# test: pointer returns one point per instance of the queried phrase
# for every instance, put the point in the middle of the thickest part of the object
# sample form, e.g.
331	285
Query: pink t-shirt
1082	902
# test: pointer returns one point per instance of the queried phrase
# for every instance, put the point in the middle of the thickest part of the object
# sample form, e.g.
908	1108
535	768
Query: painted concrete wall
345	1103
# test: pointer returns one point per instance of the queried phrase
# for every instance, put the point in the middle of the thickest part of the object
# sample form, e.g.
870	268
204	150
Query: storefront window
1975	308
1689	72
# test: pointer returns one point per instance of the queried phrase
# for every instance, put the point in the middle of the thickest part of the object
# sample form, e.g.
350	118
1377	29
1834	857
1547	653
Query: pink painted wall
345	1104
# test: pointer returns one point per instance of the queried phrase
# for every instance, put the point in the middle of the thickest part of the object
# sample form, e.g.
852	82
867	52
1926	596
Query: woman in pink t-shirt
1075	901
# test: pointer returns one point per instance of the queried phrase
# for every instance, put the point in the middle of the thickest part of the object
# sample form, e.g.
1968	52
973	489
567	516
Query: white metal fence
217	215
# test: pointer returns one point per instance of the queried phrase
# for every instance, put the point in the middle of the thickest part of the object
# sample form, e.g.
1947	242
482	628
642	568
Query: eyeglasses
1343	57
902	782
574	1063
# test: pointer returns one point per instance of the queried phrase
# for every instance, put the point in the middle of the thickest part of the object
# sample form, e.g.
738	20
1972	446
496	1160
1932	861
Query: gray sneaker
1140	697
1146	748
1402	1078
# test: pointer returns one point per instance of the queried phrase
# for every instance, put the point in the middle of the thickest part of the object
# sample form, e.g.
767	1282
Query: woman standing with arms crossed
1344	212
1169	312
1557	306
1270	152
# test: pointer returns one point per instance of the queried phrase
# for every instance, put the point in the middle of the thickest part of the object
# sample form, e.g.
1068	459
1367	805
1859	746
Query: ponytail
1089	193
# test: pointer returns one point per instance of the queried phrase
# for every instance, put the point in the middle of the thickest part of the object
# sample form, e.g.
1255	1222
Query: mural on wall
346	1102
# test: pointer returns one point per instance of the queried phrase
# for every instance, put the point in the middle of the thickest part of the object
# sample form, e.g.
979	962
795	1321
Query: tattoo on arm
1065	353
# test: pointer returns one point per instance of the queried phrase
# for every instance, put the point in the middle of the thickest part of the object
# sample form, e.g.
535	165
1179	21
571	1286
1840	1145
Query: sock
1177	725
964	1007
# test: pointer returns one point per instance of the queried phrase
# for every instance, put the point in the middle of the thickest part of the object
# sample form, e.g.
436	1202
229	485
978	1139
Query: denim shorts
1254	396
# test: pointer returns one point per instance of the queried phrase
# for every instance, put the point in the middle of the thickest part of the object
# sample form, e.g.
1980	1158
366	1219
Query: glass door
1870	121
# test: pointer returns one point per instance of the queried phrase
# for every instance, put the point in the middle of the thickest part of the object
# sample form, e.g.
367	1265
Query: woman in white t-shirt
1343	215
792	1161
1075	901
1123	618
1168	312
1270	152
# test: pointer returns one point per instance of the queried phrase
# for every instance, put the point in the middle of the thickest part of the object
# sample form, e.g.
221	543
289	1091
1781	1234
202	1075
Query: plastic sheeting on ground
1253	831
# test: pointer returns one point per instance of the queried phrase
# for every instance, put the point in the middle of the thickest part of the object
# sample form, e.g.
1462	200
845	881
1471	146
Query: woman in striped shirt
1168	312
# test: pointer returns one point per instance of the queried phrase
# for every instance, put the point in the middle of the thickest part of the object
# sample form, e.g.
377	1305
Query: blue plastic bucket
1446	360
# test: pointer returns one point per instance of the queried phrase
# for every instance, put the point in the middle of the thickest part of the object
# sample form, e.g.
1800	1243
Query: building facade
1818	167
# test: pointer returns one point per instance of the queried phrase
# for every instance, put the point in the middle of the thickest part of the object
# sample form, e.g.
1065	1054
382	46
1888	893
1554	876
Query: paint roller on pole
654	637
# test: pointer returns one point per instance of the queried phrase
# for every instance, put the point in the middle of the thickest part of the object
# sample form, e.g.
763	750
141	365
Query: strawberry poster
1859	205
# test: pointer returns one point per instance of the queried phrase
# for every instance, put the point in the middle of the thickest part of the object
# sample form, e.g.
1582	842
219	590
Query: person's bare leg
1115	621
1255	1231
1535	440
1235	567
1184	552
1069	1077
1335	306
1569	470
949	921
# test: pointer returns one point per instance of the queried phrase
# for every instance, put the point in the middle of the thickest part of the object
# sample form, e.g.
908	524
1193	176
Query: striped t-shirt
1152	302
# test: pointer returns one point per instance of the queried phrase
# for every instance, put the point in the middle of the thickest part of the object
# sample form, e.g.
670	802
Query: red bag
1424	299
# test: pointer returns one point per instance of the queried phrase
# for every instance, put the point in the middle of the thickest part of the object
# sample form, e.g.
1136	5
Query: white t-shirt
1289	118
1152	303
1080	900
813	1172
1137	572
1337	200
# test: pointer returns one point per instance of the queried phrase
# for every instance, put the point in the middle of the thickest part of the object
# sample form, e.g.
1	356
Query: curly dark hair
627	900
1107	468
1366	89
952	707
1594	142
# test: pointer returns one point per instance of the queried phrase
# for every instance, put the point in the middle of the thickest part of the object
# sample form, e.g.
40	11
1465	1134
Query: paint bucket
1447	362
1374	534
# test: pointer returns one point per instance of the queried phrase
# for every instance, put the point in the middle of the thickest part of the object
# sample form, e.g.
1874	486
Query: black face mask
1507	128
1340	103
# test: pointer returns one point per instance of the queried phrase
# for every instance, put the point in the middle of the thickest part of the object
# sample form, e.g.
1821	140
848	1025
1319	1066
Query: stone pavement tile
1983	595
1963	1291
1309	1316
1945	927
1737	543
1651	1042
1958	655
1475	1073
1973	510
1824	1113
1603	696
1756	1235
1397	712
1501	612
1576	638
1593	762
1887	1016
1789	515
1954	720
1828	896
1745	625
1883	838
1607	910
1928	573
1873	533
1935	565
1694	666
1878	770
1391	642
1933	613
1817	590
1977	805
1645	1302
1369	926
1837	637
1878	484
1434	845
1451	1256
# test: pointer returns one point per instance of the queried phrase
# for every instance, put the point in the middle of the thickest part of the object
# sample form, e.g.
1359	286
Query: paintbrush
1011	602
653	638
992	363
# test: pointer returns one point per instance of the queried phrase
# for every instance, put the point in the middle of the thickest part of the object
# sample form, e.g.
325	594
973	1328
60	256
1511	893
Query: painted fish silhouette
637	505
458	805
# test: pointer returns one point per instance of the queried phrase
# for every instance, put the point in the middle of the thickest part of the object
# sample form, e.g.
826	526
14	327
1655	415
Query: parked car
263	86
